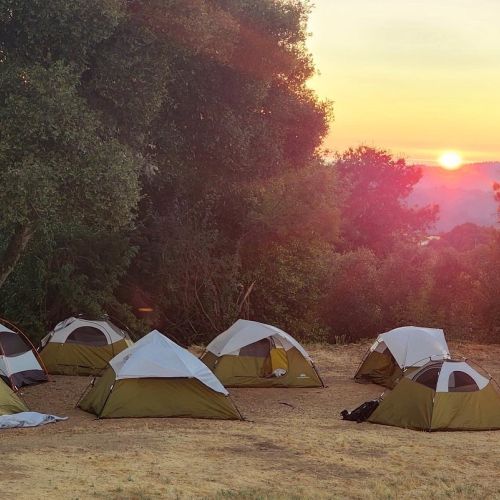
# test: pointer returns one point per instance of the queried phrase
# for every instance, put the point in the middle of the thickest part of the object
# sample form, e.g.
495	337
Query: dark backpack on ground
361	413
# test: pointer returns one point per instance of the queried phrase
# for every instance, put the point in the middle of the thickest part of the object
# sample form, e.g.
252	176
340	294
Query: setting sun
450	160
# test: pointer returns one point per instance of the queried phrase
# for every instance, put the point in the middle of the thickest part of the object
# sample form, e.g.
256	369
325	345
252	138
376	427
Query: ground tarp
27	419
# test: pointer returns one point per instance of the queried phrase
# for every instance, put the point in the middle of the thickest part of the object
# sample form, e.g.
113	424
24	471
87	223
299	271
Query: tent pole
106	400
85	391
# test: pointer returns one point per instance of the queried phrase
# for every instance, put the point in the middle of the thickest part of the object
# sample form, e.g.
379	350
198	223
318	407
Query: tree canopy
160	161
59	167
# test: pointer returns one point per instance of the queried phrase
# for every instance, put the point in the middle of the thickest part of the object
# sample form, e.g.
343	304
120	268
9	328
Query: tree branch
15	248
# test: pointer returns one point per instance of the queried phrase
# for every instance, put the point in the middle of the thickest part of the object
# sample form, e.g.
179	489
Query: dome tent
19	361
252	354
80	346
157	378
398	349
9	401
441	395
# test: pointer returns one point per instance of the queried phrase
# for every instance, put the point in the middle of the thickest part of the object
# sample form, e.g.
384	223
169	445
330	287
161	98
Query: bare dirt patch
293	446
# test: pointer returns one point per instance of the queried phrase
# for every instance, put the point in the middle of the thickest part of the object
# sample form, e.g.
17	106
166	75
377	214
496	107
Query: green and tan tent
9	401
157	378
406	347
442	395
80	346
19	361
252	354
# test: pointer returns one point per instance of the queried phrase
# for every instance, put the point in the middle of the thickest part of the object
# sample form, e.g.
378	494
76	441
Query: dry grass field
293	446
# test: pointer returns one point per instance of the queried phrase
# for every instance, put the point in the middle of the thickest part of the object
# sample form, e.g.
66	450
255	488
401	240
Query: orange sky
413	76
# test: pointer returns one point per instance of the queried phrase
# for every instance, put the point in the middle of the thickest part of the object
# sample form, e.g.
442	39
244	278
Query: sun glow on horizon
400	78
450	160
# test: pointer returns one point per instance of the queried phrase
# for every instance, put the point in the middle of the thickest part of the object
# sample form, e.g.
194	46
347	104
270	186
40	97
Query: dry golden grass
298	451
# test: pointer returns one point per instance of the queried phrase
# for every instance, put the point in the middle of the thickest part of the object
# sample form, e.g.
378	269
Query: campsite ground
293	446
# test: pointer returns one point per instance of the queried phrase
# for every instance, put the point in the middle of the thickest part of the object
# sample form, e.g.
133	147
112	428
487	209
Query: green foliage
290	281
48	31
461	297
488	285
55	167
68	185
74	272
189	280
384	277
374	212
353	307
466	237
165	155
234	146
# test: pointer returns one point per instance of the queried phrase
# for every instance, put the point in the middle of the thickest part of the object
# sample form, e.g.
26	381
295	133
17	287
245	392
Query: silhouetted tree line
160	163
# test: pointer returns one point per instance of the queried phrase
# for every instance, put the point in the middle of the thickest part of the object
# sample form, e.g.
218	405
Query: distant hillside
464	195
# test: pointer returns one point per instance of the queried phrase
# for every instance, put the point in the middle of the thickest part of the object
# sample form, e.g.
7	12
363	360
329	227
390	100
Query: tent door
276	363
279	362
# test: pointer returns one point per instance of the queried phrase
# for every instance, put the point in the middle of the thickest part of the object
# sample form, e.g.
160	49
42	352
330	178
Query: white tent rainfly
253	354
158	378
19	361
407	347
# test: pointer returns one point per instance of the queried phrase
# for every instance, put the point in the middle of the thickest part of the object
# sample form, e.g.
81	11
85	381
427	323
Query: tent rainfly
9	401
157	378
19	362
80	346
252	354
399	349
441	395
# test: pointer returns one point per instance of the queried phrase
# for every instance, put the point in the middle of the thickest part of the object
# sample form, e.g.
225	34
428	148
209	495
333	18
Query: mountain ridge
463	195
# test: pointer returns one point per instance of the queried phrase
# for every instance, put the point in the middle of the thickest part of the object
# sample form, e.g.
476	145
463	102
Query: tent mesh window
87	335
259	349
12	344
429	377
461	382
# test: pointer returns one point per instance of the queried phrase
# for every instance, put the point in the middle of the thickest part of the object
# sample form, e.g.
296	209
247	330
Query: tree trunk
17	244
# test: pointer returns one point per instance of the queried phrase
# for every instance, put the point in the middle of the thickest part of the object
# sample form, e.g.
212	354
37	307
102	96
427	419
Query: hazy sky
416	77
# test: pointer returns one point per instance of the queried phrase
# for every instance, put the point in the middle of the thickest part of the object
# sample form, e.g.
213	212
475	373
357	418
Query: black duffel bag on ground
361	413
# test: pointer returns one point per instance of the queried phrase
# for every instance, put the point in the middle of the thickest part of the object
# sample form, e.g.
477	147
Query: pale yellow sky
413	76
